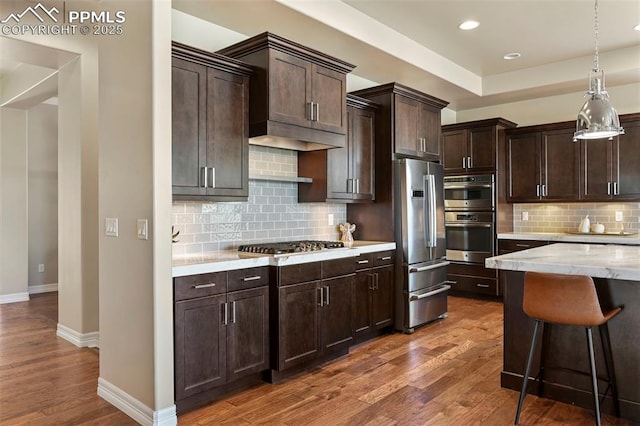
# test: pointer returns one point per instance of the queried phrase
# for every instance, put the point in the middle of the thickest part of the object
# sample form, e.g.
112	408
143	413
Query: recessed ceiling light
510	56
637	27
469	25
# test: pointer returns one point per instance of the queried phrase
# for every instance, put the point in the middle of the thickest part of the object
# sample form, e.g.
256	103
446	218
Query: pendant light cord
596	65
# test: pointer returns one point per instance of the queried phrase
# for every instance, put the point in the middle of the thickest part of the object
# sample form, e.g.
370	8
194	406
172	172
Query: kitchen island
616	273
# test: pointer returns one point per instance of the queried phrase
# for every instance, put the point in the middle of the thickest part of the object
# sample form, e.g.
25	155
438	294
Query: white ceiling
417	42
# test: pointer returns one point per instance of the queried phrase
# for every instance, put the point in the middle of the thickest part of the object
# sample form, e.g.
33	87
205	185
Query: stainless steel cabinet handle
233	312
357	186
544	190
615	188
204	285
349	185
363	262
203	176
326	302
254	278
464	162
310	104
482	285
213	177
225	314
608	188
523	245
321	296
537	190
371	279
385	258
317	112
469	162
377	281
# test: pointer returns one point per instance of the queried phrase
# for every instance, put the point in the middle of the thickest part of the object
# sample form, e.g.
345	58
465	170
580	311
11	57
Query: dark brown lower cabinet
372	311
472	279
220	336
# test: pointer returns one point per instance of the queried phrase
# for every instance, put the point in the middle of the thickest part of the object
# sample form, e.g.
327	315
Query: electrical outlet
40	267
111	227
619	217
330	219
525	215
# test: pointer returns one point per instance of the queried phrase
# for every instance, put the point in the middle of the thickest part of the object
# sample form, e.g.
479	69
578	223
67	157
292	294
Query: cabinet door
406	116
338	172
454	151
561	166
227	133
523	167
330	98
299	324
361	148
188	126
361	319
429	131
248	332
627	167
596	173
200	345
482	149
336	312
382	297
289	89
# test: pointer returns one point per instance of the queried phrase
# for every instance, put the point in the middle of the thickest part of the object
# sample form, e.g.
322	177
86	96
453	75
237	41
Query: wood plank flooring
446	373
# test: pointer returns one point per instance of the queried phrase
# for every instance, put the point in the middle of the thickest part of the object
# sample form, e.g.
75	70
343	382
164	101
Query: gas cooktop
290	247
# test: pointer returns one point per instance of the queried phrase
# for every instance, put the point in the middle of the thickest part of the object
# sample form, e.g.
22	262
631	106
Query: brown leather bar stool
567	300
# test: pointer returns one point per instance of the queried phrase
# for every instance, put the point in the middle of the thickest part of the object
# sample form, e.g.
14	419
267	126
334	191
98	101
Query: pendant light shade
597	118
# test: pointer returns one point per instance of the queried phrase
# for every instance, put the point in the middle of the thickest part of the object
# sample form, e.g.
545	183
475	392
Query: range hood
297	94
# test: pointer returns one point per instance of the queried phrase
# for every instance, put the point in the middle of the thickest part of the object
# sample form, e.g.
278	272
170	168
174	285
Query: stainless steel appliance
474	192
470	236
421	289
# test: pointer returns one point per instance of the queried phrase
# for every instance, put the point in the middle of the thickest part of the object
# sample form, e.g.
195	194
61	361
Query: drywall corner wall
13	205
42	143
136	307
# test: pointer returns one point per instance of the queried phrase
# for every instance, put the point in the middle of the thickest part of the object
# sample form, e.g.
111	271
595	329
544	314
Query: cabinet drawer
471	284
509	246
383	258
476	270
301	273
337	267
363	261
242	279
193	286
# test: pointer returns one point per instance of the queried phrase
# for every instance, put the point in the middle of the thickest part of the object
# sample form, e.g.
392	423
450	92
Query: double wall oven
470	222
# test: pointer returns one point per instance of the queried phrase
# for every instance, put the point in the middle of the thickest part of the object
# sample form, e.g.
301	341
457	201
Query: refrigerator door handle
430	210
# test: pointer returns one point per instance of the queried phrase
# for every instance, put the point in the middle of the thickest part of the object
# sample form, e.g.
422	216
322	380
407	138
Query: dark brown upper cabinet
542	165
343	174
210	126
298	93
611	168
472	146
408	122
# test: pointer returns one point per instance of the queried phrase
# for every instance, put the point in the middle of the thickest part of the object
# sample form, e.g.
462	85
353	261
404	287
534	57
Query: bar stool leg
544	353
525	378
608	359
594	378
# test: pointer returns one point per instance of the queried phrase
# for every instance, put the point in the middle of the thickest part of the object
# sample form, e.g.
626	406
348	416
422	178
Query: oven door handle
454	186
439	290
470	225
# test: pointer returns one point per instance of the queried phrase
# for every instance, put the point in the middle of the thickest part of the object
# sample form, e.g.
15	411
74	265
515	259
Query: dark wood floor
446	373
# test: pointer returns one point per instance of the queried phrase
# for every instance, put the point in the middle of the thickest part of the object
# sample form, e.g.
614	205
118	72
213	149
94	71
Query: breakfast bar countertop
596	260
226	260
566	237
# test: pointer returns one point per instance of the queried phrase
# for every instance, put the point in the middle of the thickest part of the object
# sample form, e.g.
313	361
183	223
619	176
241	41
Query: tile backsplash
563	217
272	212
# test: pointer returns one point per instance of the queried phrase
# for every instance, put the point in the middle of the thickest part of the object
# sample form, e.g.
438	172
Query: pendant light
597	118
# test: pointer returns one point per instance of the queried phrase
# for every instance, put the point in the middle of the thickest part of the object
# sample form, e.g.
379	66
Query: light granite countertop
607	238
227	260
595	260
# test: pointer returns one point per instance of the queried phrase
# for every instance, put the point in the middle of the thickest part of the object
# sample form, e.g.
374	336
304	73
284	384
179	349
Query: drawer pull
204	285
255	277
385	258
523	245
482	285
362	262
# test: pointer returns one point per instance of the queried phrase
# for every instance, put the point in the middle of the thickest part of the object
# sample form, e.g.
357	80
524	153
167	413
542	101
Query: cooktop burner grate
290	247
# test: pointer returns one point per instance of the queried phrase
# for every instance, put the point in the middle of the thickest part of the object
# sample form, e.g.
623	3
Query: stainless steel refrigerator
421	288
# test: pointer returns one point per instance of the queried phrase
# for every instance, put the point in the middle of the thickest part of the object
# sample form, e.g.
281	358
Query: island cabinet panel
221	333
210	126
472	147
611	168
372	312
298	93
345	175
543	166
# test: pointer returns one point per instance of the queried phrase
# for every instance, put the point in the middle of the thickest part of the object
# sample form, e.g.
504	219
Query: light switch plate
143	229
619	216
111	227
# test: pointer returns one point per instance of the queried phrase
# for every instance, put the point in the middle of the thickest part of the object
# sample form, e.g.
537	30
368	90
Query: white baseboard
43	288
134	408
81	340
13	298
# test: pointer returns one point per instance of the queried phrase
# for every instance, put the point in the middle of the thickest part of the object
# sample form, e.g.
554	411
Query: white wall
13	205
42	142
